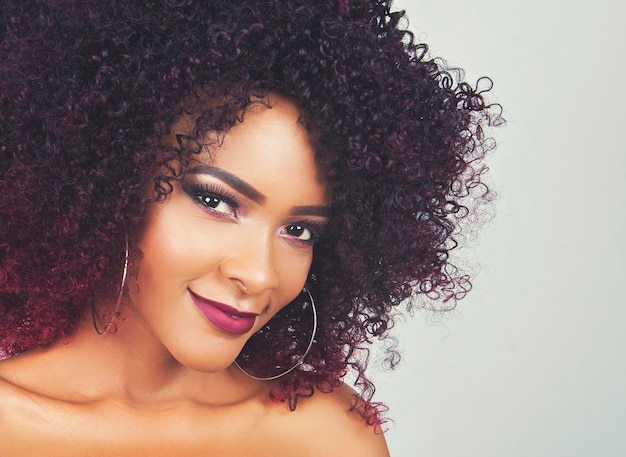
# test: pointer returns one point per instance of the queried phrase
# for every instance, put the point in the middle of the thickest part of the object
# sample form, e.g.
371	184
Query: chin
205	363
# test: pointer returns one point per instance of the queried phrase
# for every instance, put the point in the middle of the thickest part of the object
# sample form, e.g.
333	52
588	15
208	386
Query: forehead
268	137
268	134
271	149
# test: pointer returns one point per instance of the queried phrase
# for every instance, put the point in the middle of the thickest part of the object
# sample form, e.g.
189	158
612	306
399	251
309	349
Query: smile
224	317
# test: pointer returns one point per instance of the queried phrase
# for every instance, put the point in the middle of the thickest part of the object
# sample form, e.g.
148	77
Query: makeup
224	317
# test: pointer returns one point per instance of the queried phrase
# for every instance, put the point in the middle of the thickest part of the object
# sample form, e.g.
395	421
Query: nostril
252	276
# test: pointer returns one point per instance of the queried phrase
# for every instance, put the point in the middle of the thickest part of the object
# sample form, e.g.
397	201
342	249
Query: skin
164	383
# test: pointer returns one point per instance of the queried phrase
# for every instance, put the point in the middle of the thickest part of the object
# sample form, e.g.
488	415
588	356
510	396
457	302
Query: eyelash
314	227
198	192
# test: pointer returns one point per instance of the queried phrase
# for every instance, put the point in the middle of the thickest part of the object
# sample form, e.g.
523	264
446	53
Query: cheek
293	270
168	244
181	246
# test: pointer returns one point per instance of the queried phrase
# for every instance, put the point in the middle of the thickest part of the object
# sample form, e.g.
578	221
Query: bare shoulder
14	407
8	369
331	425
17	373
22	392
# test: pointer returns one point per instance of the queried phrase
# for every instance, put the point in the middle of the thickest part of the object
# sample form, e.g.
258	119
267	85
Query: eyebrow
253	194
233	181
311	210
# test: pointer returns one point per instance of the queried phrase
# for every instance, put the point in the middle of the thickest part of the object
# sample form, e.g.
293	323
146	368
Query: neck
131	366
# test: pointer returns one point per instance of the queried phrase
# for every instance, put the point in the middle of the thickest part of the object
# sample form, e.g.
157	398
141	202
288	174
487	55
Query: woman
208	211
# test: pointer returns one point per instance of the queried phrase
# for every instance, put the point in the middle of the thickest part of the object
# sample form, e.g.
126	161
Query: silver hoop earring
118	303
264	357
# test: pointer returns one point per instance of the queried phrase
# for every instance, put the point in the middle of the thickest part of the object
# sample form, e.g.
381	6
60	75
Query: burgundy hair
89	87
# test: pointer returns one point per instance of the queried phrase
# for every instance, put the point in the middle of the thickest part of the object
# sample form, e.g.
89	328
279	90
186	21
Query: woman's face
233	243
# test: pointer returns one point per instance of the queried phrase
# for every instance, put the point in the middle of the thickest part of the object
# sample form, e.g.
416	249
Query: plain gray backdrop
532	363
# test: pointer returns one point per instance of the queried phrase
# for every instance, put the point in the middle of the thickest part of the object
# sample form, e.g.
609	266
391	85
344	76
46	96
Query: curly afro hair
89	88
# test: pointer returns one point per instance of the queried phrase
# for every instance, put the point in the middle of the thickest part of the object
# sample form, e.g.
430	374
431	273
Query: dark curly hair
89	88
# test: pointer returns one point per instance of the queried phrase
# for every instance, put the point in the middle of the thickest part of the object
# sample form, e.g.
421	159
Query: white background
532	363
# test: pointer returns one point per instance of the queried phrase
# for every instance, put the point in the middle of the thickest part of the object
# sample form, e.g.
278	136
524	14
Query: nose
251	266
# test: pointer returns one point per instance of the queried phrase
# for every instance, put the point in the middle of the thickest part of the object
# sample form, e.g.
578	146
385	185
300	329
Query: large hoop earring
118	303
264	356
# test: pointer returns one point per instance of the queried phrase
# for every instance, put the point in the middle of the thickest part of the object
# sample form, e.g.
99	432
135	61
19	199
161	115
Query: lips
224	317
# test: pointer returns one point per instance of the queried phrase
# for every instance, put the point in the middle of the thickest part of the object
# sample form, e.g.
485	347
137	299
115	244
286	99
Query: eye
304	233
299	231
217	203
212	199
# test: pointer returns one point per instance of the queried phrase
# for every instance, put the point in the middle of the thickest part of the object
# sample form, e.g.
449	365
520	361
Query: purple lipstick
224	317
